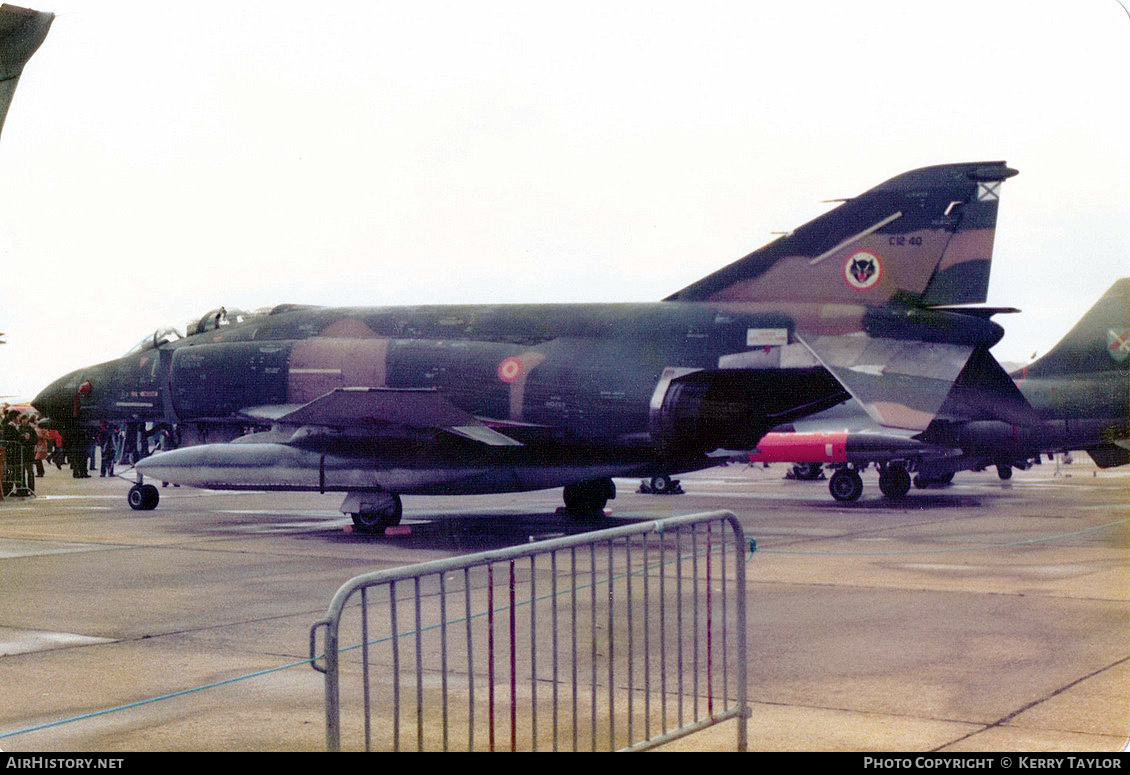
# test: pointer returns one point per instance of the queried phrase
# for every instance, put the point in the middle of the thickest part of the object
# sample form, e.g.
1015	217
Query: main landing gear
660	485
586	500
373	512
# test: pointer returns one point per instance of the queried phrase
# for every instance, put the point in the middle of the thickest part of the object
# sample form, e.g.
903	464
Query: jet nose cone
57	400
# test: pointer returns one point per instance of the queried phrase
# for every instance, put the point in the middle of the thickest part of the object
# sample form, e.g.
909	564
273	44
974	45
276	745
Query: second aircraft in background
1080	391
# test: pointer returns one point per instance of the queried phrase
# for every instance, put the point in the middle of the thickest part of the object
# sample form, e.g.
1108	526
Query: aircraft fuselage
586	390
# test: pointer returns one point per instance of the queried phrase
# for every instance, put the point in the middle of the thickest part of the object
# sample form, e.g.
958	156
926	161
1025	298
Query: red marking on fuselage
510	369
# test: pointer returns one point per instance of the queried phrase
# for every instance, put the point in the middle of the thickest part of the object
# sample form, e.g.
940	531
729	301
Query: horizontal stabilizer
984	391
899	383
975	310
364	408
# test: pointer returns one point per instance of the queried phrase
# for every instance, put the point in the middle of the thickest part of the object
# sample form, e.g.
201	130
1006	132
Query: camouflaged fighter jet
1080	391
383	402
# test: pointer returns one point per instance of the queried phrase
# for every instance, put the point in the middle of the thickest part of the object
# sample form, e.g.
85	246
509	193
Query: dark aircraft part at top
378	402
22	31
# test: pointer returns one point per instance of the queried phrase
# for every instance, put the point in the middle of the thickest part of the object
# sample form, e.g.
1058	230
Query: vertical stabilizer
925	235
1099	342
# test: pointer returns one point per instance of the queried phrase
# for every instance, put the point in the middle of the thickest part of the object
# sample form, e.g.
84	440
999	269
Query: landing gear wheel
586	500
377	521
894	482
1004	472
922	482
807	472
659	484
846	485
143	497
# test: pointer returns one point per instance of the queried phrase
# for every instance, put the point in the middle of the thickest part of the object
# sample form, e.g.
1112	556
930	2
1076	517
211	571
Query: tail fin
1099	342
926	234
21	33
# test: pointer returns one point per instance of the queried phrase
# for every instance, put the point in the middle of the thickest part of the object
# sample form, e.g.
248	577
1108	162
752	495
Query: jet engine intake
703	411
696	411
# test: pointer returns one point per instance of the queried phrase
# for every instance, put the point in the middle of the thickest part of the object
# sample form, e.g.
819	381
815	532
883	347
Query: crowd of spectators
28	449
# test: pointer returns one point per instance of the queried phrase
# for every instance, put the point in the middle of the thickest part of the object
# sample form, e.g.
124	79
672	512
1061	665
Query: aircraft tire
143	497
807	472
846	485
586	500
922	482
1004	472
377	521
659	484
894	482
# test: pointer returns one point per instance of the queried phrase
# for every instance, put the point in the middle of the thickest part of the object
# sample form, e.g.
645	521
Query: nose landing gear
143	497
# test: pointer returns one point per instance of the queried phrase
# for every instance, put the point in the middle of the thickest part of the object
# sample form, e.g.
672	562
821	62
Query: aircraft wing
984	391
374	411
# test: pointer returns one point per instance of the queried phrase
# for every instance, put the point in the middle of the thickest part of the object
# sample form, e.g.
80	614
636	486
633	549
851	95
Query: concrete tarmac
983	616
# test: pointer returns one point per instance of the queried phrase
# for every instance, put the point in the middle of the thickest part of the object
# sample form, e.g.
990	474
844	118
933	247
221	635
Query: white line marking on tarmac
16	547
26	641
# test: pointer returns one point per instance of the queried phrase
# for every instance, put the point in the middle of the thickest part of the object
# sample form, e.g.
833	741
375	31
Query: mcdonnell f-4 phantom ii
868	300
1080	392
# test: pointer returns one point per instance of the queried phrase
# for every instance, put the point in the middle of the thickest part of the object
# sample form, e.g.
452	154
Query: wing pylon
374	411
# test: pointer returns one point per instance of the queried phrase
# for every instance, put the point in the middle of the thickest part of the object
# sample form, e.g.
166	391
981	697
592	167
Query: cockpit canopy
156	339
210	321
218	318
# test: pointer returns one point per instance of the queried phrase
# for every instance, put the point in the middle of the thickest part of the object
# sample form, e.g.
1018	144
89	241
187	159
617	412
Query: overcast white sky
161	160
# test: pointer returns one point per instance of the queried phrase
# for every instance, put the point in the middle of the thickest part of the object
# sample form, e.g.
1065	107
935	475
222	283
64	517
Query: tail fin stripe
861	235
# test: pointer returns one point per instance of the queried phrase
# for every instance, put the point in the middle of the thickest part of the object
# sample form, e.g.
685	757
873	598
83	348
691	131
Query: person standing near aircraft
108	441
42	447
27	442
75	443
58	451
10	439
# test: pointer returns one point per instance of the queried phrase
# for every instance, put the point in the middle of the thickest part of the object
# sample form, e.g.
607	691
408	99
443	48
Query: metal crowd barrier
619	639
19	476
